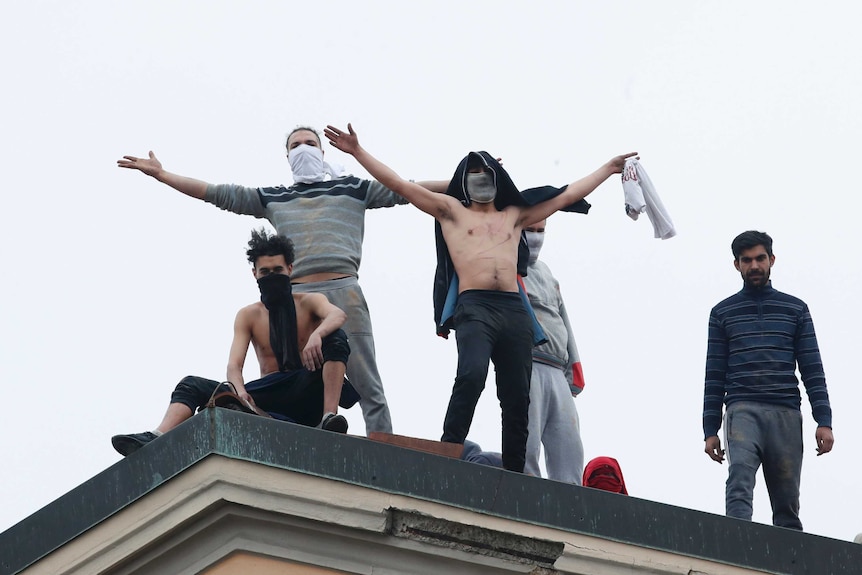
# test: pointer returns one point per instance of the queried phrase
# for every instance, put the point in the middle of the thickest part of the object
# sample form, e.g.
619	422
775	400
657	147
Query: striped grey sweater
325	220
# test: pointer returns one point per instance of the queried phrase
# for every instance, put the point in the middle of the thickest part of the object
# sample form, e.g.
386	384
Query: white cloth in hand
641	196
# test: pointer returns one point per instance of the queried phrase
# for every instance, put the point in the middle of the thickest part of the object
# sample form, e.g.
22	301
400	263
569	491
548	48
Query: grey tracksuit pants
762	434
554	424
362	366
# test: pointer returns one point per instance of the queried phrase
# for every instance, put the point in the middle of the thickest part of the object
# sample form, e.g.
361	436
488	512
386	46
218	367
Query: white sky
115	286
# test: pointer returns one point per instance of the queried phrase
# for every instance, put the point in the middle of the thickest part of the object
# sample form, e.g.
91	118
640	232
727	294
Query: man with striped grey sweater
757	339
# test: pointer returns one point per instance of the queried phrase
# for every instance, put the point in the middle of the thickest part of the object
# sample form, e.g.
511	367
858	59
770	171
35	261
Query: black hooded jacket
507	195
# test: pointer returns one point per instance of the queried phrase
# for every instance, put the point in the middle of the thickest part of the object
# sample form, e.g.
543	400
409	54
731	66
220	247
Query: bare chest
260	331
488	230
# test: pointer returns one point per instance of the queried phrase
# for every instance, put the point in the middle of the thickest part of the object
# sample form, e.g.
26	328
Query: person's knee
740	481
472	367
193	391
336	347
471	379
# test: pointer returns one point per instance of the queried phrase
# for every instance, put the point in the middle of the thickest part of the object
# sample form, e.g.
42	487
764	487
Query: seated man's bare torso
258	315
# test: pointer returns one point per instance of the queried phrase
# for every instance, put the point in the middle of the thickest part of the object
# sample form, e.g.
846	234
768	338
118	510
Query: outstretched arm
438	205
574	192
153	167
436	186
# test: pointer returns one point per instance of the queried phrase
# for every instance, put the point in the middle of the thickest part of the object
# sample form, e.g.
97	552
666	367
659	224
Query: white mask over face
480	187
307	165
534	242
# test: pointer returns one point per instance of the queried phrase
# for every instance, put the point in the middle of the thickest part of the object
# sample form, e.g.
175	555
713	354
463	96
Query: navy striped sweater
757	338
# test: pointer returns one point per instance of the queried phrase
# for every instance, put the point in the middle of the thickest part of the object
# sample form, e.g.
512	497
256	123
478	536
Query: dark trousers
295	395
495	326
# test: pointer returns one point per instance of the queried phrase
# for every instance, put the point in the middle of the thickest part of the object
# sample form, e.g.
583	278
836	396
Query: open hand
346	142
150	166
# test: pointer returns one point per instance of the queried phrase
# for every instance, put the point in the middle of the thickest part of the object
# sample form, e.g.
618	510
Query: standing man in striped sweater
757	339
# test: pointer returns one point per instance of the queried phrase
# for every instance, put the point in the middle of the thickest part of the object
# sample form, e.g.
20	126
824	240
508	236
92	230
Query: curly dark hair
751	239
262	243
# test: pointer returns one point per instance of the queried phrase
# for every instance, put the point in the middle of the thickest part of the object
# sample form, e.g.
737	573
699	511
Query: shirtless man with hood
491	321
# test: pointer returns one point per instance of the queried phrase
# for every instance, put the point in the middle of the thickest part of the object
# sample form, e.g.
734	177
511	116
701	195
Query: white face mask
534	242
306	163
480	187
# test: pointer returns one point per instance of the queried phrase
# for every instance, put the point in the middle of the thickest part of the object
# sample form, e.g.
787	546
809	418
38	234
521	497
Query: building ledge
222	458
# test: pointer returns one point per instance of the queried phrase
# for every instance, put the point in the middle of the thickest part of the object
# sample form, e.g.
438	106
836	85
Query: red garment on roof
605	473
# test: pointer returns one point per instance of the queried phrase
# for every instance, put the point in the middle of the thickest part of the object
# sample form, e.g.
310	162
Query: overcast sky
115	287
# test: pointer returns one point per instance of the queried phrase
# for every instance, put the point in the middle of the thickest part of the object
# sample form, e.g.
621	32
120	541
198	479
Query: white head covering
308	167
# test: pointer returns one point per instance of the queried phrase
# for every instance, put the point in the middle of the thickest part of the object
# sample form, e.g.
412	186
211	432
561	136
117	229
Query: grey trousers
762	434
362	366
554	424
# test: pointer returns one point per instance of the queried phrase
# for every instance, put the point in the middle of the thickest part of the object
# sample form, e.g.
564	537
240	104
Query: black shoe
128	444
334	422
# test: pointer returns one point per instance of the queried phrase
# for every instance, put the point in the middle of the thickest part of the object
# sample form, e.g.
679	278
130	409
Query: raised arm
153	167
436	204
331	318
574	192
436	186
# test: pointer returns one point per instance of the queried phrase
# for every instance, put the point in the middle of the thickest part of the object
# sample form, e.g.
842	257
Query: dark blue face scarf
277	297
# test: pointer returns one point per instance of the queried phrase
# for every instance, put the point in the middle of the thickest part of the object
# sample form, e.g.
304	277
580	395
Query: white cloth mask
480	187
308	167
534	242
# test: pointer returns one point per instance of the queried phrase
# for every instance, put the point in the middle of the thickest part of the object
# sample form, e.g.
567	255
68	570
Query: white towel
640	196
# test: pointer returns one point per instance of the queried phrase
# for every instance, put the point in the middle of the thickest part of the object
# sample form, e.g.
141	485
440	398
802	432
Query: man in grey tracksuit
556	377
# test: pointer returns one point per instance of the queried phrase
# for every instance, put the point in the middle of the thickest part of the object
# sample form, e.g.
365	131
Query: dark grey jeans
770	435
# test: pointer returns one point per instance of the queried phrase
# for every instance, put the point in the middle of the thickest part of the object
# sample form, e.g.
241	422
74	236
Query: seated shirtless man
302	387
491	321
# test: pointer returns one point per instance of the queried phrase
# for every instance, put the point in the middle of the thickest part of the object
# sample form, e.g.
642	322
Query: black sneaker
334	422
128	444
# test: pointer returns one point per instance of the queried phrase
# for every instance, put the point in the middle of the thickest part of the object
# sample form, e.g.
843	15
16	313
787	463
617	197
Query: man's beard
757	280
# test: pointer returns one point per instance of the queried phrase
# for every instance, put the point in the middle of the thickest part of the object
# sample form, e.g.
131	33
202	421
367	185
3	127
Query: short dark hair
750	239
303	129
262	243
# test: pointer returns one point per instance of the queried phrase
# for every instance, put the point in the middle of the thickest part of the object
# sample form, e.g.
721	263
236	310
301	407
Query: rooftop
416	495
